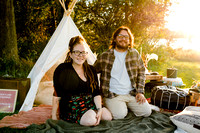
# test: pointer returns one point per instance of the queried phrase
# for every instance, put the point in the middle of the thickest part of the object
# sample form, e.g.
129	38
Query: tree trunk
8	36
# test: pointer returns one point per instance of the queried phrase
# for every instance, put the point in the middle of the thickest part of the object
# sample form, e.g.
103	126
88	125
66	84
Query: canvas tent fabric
54	53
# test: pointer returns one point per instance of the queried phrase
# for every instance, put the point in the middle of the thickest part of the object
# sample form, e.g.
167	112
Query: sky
184	17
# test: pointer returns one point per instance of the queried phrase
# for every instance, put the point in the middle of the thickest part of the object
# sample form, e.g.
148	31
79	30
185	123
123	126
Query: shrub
13	69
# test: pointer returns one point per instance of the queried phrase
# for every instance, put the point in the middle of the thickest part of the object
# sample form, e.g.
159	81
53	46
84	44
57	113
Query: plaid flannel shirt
134	66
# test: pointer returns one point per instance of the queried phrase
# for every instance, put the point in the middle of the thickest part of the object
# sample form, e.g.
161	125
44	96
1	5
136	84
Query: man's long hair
116	33
87	70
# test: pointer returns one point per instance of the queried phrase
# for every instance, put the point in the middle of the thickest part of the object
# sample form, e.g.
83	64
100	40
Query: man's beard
121	47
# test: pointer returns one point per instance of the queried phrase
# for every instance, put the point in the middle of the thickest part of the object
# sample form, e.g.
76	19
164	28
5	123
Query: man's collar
128	50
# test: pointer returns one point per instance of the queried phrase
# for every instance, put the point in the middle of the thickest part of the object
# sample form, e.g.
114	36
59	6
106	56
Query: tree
36	21
97	19
8	36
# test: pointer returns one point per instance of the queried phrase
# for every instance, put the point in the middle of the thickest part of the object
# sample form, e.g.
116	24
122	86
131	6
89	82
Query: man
123	76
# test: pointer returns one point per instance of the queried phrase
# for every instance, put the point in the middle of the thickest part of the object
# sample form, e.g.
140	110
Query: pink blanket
38	115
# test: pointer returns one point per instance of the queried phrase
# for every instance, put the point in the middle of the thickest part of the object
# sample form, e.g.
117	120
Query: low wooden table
154	77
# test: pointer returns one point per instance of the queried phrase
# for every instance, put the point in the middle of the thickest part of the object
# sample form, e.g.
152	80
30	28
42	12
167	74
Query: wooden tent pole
70	7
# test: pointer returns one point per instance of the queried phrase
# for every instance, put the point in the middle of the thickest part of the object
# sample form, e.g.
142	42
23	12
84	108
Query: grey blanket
156	123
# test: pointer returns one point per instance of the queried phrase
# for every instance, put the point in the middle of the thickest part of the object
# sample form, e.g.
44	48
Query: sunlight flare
184	17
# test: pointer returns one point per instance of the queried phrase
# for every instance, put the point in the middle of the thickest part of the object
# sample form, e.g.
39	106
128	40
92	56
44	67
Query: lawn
186	70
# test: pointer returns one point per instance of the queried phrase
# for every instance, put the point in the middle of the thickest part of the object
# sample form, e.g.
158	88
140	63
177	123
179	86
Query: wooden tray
154	77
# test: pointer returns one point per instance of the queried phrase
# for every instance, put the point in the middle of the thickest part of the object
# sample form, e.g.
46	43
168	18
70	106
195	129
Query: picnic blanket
38	120
156	123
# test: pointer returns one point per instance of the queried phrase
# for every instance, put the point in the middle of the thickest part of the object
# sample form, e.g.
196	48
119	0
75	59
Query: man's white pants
119	106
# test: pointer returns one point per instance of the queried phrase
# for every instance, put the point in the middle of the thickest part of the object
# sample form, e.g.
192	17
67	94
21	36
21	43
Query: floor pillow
45	93
188	119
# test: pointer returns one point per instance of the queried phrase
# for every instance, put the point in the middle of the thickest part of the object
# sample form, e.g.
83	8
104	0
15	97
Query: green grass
187	71
12	130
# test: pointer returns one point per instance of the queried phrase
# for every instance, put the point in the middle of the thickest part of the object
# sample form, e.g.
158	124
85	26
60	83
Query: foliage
97	20
36	21
11	68
8	37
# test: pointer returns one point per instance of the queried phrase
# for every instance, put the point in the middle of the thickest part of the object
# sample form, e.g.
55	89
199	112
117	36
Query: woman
76	87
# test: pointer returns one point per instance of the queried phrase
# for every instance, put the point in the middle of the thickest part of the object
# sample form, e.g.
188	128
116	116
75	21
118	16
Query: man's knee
120	114
148	112
145	112
117	107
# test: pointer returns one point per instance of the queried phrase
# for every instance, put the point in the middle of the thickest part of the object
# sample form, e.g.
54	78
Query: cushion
188	119
45	93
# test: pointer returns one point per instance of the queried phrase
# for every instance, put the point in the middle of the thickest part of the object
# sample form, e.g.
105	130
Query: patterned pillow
188	119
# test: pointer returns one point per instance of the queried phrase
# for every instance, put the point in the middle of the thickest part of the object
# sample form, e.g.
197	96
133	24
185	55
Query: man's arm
141	76
97	65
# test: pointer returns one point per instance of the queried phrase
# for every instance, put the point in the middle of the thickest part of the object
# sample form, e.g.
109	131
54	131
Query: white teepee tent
53	54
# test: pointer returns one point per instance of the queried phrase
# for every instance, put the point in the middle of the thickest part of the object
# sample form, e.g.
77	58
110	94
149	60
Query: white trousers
119	106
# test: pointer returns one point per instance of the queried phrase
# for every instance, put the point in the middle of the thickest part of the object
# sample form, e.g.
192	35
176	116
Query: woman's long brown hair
87	70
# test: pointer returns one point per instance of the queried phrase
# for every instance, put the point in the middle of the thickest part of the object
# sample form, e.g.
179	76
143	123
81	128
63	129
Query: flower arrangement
146	58
196	85
149	57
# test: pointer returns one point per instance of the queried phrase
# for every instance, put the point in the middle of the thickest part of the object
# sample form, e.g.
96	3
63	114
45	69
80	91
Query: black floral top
76	94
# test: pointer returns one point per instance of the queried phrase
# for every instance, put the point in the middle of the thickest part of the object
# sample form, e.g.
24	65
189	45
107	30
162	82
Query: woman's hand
140	98
98	116
98	104
54	117
55	108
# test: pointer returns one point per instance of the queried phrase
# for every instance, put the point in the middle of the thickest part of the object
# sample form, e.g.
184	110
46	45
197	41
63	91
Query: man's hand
140	98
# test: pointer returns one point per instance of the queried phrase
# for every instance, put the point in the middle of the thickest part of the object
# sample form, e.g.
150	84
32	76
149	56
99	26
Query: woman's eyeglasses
120	36
78	53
